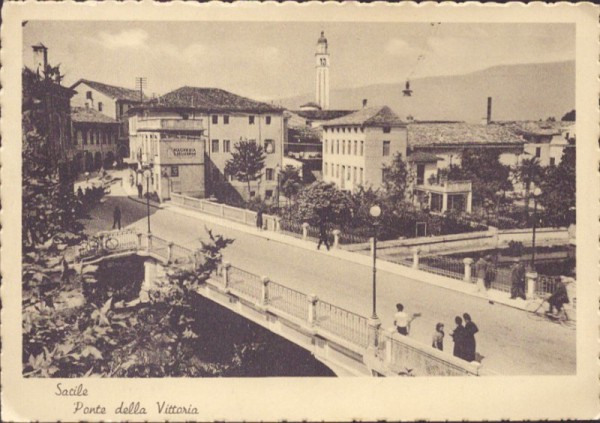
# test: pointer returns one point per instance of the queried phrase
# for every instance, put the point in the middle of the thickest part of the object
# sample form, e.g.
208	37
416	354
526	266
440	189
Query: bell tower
322	65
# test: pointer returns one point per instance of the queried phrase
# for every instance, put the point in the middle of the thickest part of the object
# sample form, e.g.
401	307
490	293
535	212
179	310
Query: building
544	140
94	138
356	147
51	103
322	77
111	101
210	122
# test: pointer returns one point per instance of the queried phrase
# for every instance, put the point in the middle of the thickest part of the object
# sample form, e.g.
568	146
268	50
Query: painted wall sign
182	152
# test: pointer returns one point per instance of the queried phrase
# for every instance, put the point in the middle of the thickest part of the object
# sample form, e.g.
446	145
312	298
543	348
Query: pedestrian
490	272
79	193
117	217
131	179
481	267
259	219
140	190
323	235
87	177
65	270
438	337
470	346
458	336
558	298
517	280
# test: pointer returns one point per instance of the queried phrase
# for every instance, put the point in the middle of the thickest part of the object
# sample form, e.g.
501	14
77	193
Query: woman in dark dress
458	336
469	344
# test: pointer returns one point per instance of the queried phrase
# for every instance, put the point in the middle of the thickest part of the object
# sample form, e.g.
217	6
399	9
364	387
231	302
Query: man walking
517	280
117	217
140	189
259	219
481	268
322	235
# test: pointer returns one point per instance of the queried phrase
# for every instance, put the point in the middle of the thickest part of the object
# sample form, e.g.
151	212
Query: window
420	174
361	179
337	146
174	171
252	194
269	174
538	151
251	120
99	106
226	146
552	161
215	119
103	135
384	174
343	146
215	146
387	129
355	147
386	148
325	167
269	146
268	193
337	171
349	173
268	120
362	150
325	146
84	137
226	119
354	175
88	95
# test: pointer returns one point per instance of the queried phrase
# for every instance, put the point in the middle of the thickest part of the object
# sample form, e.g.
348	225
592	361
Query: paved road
510	340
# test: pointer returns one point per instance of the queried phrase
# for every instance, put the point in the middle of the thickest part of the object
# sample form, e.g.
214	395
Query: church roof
369	116
112	91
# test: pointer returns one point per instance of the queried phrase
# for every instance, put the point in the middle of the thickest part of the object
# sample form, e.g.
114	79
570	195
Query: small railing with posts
245	283
288	300
343	323
546	285
445	266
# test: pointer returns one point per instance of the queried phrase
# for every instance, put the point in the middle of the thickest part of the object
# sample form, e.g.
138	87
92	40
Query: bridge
346	342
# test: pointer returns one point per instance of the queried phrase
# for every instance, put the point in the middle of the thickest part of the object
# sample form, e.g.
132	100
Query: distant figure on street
131	181
65	270
79	193
490	273
559	298
259	219
140	190
481	267
323	235
470	346
458	336
87	177
438	337
117	217
517	280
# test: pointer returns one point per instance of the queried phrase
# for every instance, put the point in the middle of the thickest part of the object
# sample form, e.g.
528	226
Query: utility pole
141	82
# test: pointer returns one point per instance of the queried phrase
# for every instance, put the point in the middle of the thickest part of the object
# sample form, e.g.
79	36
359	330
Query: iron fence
288	300
546	285
343	323
445	266
245	283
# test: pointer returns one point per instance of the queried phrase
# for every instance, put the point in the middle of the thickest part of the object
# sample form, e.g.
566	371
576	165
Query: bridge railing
245	283
288	300
343	323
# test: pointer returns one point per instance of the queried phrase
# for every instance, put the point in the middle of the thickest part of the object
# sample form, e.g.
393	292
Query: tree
569	116
528	172
246	163
323	202
290	181
558	190
396	179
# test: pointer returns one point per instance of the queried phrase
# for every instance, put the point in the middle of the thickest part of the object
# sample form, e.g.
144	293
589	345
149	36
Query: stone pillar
336	238
139	241
305	226
169	252
225	270
312	310
389	338
373	325
444	202
264	296
277	224
468	262
149	245
469	204
415	263
531	283
149	275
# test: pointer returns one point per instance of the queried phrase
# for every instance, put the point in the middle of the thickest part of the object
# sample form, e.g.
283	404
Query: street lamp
278	176
375	212
148	174
536	193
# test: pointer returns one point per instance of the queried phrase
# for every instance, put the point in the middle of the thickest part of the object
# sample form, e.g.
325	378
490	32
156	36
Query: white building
356	147
217	119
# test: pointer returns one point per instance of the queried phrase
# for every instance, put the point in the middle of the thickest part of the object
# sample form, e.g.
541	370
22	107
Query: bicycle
539	310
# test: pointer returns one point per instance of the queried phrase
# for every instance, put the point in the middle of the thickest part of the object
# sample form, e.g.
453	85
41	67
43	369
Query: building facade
212	121
113	102
356	147
94	138
545	140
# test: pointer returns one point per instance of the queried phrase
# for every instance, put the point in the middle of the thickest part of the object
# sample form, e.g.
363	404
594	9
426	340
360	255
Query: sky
272	60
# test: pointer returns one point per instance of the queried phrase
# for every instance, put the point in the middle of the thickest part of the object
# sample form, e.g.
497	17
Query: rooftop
322	114
118	93
536	127
212	100
89	115
423	157
460	133
369	116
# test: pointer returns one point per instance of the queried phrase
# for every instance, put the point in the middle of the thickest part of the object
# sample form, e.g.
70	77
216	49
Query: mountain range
519	92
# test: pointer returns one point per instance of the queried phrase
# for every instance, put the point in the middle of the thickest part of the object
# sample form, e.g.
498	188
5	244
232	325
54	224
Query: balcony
443	186
192	125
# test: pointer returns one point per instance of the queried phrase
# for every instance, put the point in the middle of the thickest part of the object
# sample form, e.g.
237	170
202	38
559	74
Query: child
438	337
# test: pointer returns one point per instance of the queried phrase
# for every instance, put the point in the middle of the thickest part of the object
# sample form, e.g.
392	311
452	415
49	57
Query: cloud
188	54
127	38
399	47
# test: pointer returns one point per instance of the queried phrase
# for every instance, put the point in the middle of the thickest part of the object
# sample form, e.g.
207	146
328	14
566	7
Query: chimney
364	103
489	111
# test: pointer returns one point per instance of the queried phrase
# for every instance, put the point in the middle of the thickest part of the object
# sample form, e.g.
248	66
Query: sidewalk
492	296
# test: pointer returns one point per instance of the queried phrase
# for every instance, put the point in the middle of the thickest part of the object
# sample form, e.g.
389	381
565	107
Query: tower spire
322	77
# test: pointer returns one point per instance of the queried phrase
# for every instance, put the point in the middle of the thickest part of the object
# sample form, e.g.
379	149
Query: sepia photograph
307	199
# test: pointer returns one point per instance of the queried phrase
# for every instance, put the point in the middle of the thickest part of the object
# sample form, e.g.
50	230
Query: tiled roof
423	157
441	134
547	128
212	100
304	134
311	104
118	93
89	115
369	116
322	114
